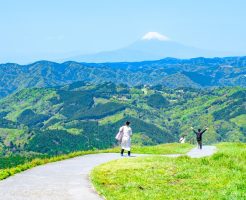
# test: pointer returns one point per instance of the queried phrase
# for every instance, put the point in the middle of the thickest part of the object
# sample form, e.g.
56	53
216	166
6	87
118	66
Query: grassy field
170	148
221	176
27	163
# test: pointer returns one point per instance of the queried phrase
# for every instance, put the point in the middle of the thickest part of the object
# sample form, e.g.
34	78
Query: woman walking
126	133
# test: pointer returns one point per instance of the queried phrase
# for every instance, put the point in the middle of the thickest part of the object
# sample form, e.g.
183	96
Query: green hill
50	121
220	176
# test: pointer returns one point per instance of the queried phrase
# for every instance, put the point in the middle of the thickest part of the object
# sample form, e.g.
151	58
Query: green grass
169	148
221	176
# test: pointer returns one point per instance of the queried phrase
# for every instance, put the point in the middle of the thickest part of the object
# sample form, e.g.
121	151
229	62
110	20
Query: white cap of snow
155	36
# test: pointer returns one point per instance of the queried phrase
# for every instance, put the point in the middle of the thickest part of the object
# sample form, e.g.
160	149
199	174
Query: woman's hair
127	123
199	130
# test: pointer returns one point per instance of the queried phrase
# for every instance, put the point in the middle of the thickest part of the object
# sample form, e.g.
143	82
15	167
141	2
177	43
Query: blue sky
51	29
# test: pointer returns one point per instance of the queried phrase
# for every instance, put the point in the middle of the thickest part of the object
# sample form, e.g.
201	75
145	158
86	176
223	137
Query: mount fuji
152	46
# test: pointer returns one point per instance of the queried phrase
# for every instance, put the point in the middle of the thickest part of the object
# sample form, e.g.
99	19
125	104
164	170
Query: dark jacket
199	134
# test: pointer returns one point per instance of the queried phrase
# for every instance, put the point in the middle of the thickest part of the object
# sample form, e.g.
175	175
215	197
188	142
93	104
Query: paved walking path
64	180
198	153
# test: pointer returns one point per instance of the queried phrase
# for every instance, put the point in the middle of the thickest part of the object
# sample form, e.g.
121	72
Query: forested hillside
80	116
170	72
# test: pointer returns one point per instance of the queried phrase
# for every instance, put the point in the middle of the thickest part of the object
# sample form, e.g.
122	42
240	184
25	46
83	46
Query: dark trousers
122	152
199	142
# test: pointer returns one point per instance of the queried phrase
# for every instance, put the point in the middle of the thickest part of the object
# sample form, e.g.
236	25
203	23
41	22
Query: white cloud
155	36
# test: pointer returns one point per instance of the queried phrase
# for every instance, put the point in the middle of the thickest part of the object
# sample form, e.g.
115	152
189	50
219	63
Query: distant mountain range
169	72
152	46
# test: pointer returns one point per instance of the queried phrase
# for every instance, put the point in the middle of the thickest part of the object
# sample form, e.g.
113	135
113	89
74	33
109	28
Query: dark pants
199	142
122	152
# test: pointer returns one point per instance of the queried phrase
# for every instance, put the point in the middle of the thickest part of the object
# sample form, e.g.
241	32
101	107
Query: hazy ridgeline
169	72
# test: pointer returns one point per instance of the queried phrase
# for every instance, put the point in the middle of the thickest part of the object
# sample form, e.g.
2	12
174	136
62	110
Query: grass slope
221	176
169	148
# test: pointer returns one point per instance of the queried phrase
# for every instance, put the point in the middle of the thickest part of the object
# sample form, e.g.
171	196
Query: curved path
64	180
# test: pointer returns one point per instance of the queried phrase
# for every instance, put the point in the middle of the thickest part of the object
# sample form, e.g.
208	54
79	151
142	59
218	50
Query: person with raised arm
199	134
